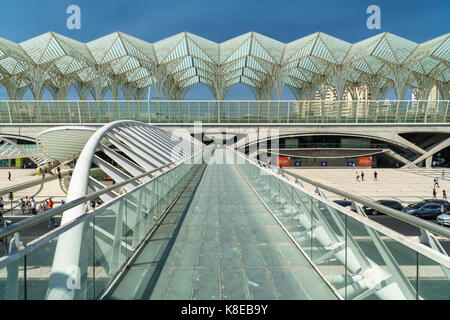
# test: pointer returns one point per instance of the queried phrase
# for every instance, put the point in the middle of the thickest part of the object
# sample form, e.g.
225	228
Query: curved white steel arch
144	147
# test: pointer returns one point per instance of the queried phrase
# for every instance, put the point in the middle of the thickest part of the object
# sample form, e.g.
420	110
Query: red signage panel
284	162
365	161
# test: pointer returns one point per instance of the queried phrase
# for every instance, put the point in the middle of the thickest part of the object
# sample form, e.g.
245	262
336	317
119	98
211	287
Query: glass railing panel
243	111
105	112
441	108
253	112
81	280
72	110
110	249
4	112
233	111
371	114
183	112
391	113
382	112
328	242
173	111
16	109
411	110
164	112
421	112
12	280
64	111
378	267
84	112
263	107
272	111
430	110
300	109
55	115
139	110
400	111
151	203
213	111
194	114
124	111
284	112
113	111
433	281
204	113
403	268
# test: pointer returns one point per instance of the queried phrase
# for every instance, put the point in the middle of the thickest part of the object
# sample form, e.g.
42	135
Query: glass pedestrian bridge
221	226
229	111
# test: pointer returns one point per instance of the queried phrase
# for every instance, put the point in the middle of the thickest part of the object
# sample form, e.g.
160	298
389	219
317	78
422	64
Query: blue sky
218	21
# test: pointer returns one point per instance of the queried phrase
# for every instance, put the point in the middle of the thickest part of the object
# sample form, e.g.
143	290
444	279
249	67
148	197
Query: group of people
436	185
375	176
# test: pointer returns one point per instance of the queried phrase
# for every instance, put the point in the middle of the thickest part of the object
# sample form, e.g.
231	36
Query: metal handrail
27	223
420	223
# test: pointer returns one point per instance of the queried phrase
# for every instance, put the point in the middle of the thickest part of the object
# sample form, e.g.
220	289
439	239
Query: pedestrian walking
362	175
41	208
444	195
2	206
9	175
375	176
27	204
92	204
59	176
51	222
22	205
58	169
357	176
434	193
436	183
33	206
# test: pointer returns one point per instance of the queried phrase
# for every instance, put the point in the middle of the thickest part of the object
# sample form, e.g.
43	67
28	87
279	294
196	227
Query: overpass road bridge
414	131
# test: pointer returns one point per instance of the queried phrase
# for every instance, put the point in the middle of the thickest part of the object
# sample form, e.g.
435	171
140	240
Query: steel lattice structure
121	63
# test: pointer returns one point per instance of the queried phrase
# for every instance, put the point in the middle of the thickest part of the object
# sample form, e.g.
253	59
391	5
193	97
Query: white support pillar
401	75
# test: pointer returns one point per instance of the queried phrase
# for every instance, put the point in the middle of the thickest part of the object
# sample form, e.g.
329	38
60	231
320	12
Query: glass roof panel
258	51
165	47
189	73
272	47
252	63
241	52
227	48
183	65
178	52
195	51
99	47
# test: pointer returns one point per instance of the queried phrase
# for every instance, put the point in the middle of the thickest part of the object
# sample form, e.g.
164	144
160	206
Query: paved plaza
50	188
404	185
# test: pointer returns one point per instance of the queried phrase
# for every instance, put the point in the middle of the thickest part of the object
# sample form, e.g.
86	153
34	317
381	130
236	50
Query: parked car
388	203
444	219
345	203
425	209
444	202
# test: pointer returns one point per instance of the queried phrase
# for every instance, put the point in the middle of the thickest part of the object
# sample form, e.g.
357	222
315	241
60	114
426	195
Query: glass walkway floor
219	241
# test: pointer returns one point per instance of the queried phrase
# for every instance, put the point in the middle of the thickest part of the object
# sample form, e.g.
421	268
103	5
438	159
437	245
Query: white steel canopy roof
173	65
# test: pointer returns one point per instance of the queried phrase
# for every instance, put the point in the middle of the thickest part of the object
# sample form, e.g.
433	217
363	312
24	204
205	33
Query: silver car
444	219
